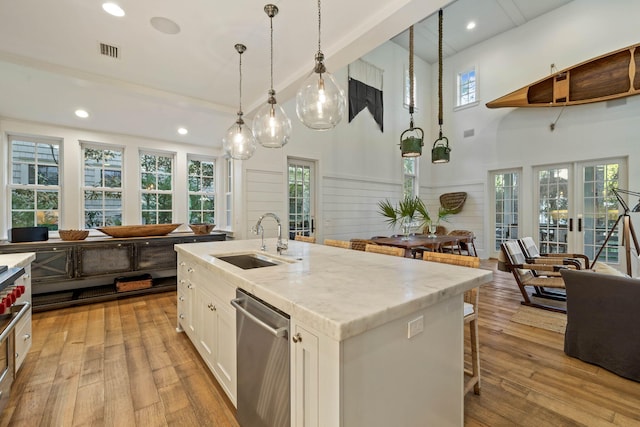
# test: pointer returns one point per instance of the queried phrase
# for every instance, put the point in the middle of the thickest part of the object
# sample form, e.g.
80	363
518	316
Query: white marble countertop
340	292
17	259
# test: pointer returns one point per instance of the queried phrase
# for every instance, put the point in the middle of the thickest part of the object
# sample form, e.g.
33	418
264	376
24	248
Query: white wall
511	137
71	175
357	165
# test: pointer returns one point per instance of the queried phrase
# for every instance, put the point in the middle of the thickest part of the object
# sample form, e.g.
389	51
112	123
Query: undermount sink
249	261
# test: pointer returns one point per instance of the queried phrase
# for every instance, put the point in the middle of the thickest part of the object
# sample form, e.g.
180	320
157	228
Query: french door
301	183
555	211
576	209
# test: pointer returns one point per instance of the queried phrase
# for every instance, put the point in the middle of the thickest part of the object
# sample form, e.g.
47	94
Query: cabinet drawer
23	339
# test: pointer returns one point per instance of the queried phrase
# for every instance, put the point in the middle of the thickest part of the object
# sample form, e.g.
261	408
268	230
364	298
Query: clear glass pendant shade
239	142
271	126
320	103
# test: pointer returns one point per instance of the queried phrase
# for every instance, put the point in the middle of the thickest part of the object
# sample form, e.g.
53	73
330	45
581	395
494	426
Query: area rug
540	318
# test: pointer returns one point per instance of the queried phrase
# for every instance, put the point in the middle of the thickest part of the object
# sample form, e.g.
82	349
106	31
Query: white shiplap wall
266	192
470	218
347	207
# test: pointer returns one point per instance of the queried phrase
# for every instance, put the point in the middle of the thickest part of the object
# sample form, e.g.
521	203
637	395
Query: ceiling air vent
108	50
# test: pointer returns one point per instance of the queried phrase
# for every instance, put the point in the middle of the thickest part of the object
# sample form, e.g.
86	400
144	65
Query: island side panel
389	379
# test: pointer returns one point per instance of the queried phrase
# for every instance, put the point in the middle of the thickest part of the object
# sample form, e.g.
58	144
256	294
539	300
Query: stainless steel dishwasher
264	377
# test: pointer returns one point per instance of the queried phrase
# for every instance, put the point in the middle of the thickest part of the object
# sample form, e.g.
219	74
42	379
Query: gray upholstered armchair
603	321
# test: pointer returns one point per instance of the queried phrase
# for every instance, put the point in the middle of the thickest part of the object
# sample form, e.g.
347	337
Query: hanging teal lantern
411	146
440	151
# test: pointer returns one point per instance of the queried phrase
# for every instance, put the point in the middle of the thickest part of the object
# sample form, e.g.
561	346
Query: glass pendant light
320	103
239	143
271	126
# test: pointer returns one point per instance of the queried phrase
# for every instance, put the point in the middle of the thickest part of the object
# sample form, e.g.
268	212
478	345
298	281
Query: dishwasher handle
280	332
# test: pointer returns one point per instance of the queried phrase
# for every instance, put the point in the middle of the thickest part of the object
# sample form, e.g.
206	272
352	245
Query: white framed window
410	181
156	188
228	195
467	87
407	90
202	193
35	182
102	185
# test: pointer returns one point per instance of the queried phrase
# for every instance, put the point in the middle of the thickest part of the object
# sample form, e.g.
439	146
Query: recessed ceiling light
164	25
113	9
471	25
183	131
82	114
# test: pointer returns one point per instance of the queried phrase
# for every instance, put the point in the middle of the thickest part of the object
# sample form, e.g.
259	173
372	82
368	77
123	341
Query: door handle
313	225
278	332
570	224
579	224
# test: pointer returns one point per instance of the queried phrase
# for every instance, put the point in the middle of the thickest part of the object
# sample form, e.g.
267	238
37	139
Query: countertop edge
337	330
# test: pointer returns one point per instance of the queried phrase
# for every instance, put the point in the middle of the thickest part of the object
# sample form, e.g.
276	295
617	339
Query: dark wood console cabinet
67	273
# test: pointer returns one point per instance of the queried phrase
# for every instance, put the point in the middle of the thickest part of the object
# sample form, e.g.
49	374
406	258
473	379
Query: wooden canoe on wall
610	76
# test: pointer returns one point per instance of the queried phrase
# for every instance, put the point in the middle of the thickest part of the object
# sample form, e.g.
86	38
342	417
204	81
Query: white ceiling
50	64
492	17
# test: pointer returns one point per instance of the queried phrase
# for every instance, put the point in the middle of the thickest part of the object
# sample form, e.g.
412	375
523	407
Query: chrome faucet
280	246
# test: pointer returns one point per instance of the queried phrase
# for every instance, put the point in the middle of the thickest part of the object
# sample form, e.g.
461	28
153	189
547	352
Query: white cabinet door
186	297
208	324
217	337
305	378
23	332
224	363
22	340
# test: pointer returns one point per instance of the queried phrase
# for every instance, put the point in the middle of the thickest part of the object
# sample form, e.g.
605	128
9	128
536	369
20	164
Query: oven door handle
23	310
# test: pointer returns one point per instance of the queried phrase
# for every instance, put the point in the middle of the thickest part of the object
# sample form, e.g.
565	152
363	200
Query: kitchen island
379	339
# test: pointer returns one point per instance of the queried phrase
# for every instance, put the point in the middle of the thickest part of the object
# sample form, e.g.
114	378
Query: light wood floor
123	364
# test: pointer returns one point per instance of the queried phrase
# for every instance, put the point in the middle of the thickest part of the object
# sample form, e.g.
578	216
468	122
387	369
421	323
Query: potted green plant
410	212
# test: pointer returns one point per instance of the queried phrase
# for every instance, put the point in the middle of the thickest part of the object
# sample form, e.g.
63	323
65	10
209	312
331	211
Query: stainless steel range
11	312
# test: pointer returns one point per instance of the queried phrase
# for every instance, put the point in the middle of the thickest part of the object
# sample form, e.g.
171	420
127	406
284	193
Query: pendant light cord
319	21
271	28
411	100
240	85
440	121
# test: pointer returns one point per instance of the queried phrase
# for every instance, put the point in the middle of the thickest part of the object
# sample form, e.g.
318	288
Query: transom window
35	182
102	186
201	191
156	185
467	87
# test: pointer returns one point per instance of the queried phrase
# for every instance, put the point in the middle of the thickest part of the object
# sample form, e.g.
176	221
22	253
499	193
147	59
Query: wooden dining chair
360	244
386	250
470	312
465	242
338	243
307	239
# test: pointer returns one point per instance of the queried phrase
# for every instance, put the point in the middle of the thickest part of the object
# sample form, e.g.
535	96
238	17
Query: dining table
417	242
